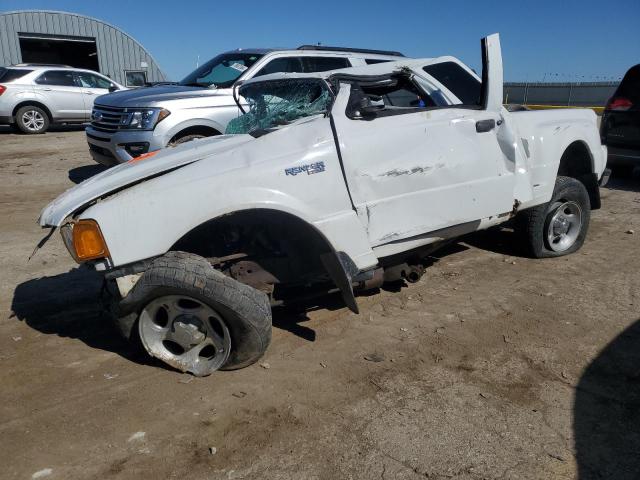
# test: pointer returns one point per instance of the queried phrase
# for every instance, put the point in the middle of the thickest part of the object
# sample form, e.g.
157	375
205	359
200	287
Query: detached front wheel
559	227
195	318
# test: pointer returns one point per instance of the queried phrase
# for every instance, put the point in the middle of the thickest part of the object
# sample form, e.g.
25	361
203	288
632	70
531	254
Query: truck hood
157	96
130	173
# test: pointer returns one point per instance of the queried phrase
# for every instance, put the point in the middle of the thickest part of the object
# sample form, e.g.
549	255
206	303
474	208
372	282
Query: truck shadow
68	305
7	130
292	317
502	240
606	416
623	181
80	174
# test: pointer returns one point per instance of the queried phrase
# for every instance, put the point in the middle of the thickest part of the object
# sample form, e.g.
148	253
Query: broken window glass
280	102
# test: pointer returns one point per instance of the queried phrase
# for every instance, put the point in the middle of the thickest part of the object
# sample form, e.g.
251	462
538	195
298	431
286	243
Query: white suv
128	124
34	96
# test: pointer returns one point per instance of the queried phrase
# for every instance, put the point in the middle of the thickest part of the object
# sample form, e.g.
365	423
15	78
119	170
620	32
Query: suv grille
106	119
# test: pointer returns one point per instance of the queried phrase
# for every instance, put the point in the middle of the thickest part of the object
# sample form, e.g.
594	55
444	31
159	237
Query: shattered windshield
221	71
279	102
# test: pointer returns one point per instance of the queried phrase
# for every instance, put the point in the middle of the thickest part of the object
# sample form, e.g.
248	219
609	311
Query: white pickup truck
340	180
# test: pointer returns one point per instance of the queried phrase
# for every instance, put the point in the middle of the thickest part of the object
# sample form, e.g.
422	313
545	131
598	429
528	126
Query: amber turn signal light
88	243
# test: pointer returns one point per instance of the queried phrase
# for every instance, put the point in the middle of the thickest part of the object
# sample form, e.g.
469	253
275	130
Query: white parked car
339	180
34	96
125	125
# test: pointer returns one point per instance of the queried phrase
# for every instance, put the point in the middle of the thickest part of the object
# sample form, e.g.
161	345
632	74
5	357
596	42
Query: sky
559	40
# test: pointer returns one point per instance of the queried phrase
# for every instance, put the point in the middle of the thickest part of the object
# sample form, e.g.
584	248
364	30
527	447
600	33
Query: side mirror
113	88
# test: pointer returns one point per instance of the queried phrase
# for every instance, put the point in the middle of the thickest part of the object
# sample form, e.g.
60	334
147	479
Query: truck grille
106	119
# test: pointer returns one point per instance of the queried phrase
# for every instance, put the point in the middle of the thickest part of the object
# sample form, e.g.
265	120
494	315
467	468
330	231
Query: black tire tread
244	308
530	223
23	129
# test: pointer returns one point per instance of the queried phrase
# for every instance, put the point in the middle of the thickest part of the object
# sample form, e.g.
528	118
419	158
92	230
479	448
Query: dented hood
133	172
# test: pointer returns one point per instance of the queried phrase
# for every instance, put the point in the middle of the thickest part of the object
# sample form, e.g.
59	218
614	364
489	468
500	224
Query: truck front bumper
111	149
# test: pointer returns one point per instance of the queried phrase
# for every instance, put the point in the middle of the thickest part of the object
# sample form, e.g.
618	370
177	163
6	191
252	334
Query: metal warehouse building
36	36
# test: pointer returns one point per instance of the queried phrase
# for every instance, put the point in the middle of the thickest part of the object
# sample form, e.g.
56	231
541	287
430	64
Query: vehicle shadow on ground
623	182
7	130
291	317
606	417
80	174
502	240
69	305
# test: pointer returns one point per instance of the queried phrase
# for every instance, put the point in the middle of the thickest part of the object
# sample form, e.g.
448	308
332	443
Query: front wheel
195	318
559	227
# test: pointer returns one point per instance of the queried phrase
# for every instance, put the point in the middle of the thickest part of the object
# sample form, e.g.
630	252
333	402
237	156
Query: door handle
89	93
485	125
46	89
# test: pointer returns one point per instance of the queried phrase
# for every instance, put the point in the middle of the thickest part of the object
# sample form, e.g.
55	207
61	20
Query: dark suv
620	129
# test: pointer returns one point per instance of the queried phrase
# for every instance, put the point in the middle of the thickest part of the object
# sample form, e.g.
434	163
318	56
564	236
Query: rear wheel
559	227
32	120
195	318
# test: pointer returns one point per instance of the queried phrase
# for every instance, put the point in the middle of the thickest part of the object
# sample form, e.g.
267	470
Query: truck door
414	162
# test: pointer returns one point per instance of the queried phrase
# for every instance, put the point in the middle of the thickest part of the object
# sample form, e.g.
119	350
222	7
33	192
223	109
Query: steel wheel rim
564	225
186	333
33	120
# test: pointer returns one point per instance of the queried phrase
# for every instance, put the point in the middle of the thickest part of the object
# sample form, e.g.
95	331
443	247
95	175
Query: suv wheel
559	227
185	139
195	318
32	119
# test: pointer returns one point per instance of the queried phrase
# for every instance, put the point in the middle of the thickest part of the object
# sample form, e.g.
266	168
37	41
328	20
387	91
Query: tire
244	311
185	139
541	227
32	120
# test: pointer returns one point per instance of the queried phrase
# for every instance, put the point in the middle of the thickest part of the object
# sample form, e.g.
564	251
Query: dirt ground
492	366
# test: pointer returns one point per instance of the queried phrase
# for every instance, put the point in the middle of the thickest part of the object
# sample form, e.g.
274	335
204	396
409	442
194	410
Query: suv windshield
221	71
280	102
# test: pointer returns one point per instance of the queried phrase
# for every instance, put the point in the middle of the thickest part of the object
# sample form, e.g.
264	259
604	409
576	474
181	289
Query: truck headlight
143	118
84	240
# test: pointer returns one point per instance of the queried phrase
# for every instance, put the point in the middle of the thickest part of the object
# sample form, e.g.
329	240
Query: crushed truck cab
338	180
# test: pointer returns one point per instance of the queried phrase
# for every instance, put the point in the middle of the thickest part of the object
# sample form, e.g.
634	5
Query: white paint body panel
413	174
413	178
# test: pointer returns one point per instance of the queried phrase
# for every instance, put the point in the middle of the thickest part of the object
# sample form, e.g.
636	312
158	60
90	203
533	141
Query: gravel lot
493	365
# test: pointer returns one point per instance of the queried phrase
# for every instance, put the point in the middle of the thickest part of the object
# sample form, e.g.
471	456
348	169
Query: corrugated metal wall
117	51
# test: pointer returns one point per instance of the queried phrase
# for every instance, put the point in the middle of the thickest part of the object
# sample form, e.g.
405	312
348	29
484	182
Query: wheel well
32	103
195	130
576	162
282	244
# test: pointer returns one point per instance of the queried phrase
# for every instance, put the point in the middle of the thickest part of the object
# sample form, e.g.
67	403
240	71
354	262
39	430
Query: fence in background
591	94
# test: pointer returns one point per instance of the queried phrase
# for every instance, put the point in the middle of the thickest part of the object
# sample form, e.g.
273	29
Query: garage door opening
79	52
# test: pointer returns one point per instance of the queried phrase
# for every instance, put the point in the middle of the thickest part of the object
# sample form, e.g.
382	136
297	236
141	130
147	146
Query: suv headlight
143	118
